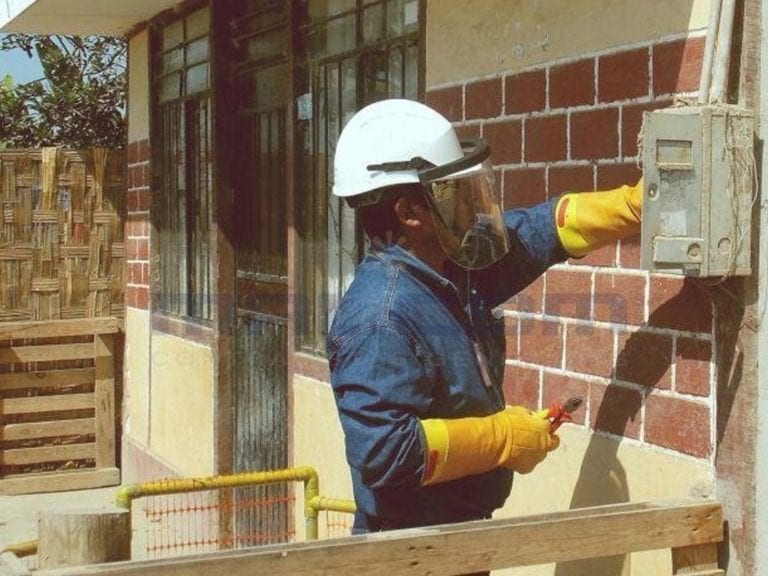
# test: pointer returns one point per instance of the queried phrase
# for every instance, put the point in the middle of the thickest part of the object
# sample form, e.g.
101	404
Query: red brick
595	134
137	297
144	150
679	304
623	76
589	350
645	358
545	139
605	256
677	66
137	249
614	175
692	366
615	409
138	200
529	300
619	299
570	179
632	122
483	99
524	187
138	228
630	251
572	84
521	386
511	328
526	92
558	388
541	342
448	101
569	293
133	153
678	424
465	132
505	140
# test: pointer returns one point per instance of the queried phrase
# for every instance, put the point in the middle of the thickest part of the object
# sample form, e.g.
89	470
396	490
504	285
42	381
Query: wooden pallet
57	405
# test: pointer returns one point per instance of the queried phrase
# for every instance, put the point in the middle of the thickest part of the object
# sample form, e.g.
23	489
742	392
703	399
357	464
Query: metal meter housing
699	184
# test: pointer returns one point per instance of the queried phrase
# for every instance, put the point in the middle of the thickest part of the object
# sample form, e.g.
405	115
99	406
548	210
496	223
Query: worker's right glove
587	221
515	438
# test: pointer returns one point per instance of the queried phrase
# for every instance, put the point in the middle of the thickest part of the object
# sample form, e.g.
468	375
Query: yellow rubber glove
590	220
515	438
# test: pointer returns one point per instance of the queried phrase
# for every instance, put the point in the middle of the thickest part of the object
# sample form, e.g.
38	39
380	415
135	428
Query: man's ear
411	212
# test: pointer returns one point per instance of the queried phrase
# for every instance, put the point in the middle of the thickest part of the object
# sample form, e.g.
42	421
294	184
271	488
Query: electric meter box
699	185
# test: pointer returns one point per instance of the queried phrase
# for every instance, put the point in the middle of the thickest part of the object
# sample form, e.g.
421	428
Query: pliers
558	413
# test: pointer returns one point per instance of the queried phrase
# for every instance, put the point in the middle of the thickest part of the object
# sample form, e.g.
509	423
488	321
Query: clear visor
468	219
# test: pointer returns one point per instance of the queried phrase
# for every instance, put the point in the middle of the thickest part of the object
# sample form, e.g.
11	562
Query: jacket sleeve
381	388
534	247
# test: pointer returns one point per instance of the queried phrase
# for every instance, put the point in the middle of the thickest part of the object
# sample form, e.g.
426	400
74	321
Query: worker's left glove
514	438
590	220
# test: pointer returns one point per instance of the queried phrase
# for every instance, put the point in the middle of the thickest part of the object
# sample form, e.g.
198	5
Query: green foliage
80	101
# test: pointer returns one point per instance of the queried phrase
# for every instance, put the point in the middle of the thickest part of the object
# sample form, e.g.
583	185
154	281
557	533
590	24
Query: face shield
468	220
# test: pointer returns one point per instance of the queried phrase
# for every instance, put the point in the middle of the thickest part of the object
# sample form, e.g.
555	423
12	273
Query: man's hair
379	220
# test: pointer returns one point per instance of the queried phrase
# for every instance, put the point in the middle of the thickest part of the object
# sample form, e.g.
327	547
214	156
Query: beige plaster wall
136	376
138	87
181	404
478	38
318	441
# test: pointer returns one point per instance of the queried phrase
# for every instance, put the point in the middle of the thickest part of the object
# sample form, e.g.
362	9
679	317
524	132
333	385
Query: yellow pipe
313	502
333	505
22	549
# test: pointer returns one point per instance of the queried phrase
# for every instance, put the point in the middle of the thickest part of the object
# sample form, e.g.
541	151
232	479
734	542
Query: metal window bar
185	202
383	63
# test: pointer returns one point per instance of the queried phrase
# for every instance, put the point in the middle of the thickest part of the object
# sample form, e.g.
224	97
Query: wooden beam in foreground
458	548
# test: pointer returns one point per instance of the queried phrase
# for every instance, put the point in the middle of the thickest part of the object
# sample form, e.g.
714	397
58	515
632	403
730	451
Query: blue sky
17	64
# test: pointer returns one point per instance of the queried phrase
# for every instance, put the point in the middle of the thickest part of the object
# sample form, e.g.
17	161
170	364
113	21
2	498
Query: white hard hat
393	142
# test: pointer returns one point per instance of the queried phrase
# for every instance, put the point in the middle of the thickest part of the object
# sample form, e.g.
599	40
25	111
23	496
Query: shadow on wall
602	478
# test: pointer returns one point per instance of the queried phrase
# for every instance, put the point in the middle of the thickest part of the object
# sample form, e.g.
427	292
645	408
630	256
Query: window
356	52
181	144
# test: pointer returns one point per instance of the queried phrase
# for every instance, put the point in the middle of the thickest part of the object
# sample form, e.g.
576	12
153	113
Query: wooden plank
47	379
695	559
58	328
455	549
59	481
30	430
53	403
104	391
41	454
45	353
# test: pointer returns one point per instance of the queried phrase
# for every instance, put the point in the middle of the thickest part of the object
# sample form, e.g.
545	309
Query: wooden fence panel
57	405
62	249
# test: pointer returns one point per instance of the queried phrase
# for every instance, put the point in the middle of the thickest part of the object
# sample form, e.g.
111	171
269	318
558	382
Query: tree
80	101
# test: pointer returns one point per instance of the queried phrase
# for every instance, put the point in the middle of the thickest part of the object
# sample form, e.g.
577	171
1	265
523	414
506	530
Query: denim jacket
408	344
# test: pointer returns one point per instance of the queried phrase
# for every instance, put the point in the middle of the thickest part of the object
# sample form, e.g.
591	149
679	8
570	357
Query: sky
17	64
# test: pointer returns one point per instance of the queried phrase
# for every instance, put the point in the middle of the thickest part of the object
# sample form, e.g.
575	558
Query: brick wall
637	347
137	226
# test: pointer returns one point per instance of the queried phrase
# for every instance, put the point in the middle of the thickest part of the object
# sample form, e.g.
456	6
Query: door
259	79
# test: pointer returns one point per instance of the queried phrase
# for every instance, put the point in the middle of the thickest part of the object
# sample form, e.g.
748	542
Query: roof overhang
78	17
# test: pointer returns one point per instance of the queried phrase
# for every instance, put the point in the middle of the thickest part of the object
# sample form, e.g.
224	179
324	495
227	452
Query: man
416	351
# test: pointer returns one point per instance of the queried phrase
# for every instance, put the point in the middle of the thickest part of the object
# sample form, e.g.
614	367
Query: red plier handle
559	413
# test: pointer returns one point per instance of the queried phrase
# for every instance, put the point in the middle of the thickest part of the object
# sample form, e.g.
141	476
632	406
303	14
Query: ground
19	514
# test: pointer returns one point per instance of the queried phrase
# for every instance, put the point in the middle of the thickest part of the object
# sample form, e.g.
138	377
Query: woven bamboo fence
61	303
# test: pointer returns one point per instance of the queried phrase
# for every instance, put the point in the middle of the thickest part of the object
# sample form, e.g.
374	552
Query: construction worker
416	349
